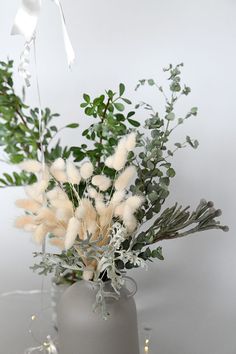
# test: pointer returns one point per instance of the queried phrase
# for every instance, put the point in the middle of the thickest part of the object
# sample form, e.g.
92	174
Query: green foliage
176	222
64	266
17	179
20	130
110	124
155	170
112	117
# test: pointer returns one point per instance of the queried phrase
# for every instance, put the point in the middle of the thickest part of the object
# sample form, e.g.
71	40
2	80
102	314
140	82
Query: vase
84	331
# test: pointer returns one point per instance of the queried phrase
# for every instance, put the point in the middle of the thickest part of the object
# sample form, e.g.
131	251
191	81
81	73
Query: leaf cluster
176	222
154	167
22	127
109	125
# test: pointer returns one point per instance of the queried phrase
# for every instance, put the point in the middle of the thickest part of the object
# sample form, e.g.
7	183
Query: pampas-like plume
58	170
135	202
72	232
46	216
100	206
86	170
125	178
129	219
35	191
59	164
24	220
91	229
80	211
88	273
109	161
120	156
72	173
59	231
118	197
64	214
106	216
59	175
102	182
57	193
119	159
125	212
53	194
40	233
32	194
119	210
92	193
130	223
28	204
130	141
62	203
86	211
31	166
30	228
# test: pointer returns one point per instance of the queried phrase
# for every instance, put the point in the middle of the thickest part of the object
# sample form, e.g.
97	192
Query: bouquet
101	203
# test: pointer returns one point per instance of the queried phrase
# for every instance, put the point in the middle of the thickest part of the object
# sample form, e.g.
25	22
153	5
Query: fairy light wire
147	338
47	343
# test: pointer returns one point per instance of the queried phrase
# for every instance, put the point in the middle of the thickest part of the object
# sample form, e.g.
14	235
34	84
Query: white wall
189	299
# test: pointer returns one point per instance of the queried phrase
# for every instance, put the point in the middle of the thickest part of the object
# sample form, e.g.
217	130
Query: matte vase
83	331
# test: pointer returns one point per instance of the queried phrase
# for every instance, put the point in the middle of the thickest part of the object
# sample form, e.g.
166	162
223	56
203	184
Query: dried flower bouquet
105	215
95	223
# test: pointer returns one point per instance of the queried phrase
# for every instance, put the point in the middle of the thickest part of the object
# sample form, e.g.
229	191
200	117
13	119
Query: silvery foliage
106	257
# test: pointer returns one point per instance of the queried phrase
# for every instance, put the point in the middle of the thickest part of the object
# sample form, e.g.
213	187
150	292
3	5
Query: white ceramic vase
83	331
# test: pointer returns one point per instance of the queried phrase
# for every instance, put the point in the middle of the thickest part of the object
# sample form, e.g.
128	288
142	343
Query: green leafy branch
20	130
155	171
112	123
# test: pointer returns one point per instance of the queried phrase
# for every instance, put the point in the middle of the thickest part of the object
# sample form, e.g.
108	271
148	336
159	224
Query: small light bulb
146	341
33	317
146	349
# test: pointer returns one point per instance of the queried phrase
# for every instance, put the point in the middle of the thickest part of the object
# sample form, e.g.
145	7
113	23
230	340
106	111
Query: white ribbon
25	24
26	19
67	42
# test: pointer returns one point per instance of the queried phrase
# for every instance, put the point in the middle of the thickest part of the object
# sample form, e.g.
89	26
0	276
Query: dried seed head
86	170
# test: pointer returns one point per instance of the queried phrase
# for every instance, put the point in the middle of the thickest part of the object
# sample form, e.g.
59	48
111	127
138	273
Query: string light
147	336
146	347
45	342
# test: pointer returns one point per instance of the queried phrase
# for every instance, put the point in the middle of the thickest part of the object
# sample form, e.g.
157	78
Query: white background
189	299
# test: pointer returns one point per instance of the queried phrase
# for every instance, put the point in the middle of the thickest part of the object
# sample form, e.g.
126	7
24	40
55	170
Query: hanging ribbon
67	42
25	24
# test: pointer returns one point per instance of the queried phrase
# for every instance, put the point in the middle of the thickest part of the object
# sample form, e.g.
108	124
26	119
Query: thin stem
162	91
103	117
22	118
